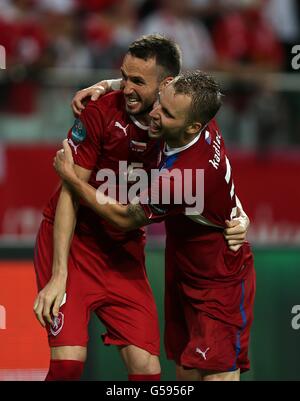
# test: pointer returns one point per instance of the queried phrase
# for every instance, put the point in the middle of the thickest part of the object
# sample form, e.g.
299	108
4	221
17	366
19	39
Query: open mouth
132	101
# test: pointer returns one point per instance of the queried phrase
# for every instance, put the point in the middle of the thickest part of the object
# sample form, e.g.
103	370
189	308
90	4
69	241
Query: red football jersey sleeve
85	136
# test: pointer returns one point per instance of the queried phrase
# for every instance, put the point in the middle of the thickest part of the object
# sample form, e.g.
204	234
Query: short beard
142	112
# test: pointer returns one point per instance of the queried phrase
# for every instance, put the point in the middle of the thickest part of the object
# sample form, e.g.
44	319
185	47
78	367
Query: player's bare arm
49	299
137	215
131	216
124	217
93	92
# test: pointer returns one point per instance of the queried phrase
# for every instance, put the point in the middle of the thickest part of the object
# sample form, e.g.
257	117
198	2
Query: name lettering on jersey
73	145
124	129
217	156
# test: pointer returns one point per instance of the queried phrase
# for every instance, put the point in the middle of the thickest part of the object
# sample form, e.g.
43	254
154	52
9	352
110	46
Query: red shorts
109	280
210	330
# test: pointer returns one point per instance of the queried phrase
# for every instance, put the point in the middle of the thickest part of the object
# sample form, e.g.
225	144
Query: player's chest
125	142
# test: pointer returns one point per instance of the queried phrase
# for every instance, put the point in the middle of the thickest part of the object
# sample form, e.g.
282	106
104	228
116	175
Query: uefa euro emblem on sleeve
78	131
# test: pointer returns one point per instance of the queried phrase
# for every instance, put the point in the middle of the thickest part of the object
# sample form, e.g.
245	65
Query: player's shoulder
215	154
208	152
214	131
113	100
108	105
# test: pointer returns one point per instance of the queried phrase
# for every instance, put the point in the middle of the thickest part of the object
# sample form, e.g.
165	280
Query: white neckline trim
138	124
172	151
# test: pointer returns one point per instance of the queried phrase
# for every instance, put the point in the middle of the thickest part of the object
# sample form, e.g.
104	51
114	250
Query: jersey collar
172	151
138	124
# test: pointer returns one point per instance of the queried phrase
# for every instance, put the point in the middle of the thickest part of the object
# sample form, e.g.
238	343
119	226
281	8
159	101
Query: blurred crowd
226	34
249	36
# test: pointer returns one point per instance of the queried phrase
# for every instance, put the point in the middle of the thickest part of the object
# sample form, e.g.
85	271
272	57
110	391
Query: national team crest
57	325
78	131
138	146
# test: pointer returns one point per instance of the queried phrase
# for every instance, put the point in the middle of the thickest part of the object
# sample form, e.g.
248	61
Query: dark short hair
166	52
205	92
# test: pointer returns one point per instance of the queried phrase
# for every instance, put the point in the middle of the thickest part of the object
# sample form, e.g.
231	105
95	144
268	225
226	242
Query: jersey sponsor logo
217	156
70	142
138	146
78	131
57	325
202	353
119	125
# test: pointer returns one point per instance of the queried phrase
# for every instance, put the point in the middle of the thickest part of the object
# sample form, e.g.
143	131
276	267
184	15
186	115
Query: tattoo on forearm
137	213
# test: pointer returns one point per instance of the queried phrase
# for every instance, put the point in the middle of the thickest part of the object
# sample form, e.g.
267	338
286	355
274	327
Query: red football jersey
104	135
196	240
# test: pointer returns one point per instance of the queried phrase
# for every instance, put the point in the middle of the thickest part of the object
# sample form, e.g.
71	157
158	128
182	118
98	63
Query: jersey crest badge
57	324
138	146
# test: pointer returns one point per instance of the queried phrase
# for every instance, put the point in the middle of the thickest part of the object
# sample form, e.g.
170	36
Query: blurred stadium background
55	47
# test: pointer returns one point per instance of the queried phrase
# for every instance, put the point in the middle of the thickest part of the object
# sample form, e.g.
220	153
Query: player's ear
165	82
194	128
